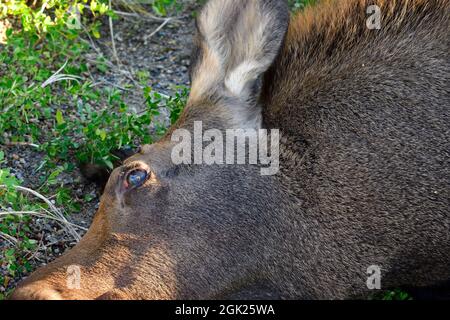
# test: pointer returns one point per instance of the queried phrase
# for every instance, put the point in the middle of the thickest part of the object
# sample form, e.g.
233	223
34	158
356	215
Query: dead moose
364	175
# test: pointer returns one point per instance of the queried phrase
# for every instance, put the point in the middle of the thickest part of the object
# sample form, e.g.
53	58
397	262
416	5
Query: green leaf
96	33
101	134
108	163
53	177
59	118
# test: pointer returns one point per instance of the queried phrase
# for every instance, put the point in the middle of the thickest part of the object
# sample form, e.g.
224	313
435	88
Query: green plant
18	207
162	7
176	104
40	16
92	135
47	101
296	5
396	295
14	228
26	101
159	7
26	65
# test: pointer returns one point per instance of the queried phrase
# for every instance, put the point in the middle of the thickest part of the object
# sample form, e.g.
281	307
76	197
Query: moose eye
136	178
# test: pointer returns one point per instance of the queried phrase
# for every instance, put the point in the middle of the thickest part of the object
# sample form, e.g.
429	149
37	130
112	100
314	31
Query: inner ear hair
237	41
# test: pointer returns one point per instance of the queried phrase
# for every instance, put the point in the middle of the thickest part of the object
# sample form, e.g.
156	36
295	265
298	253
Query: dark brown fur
366	120
364	176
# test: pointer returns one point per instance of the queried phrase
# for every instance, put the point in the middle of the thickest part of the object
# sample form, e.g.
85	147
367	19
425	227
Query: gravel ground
164	57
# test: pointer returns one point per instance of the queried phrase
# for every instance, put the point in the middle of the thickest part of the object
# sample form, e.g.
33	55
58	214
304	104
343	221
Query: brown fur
364	176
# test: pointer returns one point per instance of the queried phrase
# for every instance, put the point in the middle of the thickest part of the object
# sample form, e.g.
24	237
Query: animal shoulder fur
329	49
365	119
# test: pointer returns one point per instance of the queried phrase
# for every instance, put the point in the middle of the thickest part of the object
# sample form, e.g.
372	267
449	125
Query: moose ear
237	41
